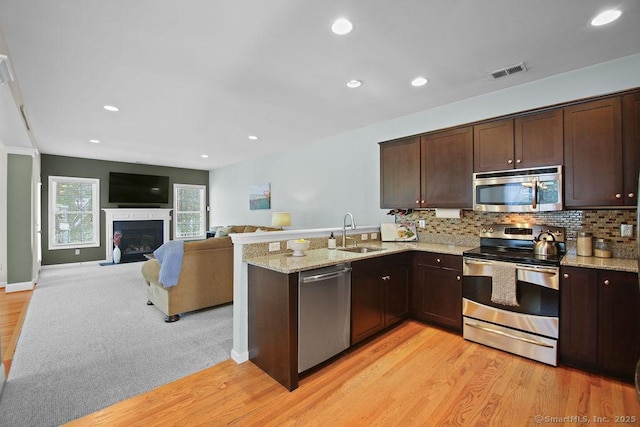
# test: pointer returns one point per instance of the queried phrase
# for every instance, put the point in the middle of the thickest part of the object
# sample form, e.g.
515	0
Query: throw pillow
223	231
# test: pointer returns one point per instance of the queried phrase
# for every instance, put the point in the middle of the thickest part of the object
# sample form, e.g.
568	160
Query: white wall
319	182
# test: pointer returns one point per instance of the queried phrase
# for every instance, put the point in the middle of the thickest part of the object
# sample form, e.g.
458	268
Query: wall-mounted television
133	188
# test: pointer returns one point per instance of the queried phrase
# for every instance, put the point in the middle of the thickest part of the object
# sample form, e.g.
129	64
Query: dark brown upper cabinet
448	168
524	142
593	154
400	174
631	146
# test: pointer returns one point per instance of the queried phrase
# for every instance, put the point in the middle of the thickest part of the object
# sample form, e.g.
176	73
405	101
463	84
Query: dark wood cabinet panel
438	290
448	171
631	146
539	139
578	316
273	324
400	174
600	320
367	306
619	322
493	147
593	154
379	294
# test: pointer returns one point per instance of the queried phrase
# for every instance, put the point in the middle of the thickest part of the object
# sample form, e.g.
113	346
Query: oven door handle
494	331
552	271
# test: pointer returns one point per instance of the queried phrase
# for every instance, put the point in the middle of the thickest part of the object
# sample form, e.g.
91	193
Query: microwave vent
507	71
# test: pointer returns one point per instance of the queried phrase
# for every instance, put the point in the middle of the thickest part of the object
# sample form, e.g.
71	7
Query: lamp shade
280	219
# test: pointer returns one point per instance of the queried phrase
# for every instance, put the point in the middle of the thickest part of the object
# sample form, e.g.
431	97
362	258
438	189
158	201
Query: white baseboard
18	287
71	264
239	357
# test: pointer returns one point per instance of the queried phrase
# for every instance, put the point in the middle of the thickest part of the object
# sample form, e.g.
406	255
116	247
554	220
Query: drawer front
453	262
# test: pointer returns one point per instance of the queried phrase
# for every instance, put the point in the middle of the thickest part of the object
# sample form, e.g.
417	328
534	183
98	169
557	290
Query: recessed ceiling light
606	17
342	26
253	137
419	81
94	141
111	108
354	84
204	156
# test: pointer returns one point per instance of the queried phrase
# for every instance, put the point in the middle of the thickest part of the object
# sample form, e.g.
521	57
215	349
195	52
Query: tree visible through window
190	214
74	215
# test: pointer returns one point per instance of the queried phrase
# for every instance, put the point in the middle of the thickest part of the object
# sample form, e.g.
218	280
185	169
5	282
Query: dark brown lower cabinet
437	297
379	294
600	321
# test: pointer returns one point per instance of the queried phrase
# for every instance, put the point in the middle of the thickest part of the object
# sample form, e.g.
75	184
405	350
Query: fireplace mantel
135	215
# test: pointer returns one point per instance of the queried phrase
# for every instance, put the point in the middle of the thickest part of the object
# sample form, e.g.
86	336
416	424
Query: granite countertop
316	258
619	264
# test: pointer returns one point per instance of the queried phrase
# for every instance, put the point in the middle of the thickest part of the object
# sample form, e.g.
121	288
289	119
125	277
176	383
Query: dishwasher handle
326	276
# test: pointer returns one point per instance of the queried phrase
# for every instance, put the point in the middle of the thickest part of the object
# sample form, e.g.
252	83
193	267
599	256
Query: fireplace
137	238
140	231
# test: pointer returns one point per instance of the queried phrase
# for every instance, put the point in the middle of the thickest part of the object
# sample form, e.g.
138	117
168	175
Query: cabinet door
593	154
578	316
439	290
493	146
400	174
539	139
619	319
448	170
631	146
395	284
367	309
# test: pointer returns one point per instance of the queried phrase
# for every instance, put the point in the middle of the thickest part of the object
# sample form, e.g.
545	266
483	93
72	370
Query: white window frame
52	210
203	213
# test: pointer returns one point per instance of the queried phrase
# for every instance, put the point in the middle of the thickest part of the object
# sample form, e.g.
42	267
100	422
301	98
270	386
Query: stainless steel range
511	290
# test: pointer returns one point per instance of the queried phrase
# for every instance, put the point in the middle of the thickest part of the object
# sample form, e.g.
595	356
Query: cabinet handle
386	277
438	259
458	278
417	201
618	196
631	195
606	282
518	161
565	275
509	161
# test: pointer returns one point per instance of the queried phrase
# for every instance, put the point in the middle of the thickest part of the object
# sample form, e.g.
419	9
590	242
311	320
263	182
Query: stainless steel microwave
518	190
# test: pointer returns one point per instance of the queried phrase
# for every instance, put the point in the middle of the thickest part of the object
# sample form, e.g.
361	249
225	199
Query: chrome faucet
344	230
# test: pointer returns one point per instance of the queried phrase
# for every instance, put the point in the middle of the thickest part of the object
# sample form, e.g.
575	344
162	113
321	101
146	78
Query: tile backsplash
604	223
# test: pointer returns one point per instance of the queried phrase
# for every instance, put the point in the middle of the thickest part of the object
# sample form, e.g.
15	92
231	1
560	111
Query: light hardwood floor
13	309
413	375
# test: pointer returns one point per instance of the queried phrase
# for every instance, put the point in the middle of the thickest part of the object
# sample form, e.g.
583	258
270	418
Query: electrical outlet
626	230
422	223
364	236
77	251
274	246
374	236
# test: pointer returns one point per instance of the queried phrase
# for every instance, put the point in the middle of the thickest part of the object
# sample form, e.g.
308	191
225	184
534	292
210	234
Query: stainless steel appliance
518	190
511	294
638	255
324	314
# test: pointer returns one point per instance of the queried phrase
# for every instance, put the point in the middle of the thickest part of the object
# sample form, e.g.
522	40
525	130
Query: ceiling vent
504	72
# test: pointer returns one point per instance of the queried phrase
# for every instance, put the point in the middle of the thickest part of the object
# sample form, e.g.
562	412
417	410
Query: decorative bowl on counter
298	246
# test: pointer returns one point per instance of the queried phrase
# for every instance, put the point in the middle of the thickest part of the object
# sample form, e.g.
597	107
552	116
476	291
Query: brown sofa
206	275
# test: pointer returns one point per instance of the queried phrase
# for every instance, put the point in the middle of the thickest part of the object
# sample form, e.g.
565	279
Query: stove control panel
521	231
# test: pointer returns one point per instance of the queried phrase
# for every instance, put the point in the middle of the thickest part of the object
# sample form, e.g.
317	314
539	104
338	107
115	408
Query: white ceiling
199	76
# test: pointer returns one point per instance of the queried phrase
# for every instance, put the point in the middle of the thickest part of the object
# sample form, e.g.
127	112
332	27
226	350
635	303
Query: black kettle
543	246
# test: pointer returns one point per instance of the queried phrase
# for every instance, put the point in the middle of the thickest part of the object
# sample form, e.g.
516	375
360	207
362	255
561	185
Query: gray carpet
89	340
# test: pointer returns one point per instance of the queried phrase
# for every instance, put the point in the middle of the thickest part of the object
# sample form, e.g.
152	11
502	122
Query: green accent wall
19	237
89	168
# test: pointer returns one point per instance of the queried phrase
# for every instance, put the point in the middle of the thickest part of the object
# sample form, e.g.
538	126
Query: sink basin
361	249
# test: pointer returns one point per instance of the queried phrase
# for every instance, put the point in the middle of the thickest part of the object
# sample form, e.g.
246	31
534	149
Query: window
189	208
74	215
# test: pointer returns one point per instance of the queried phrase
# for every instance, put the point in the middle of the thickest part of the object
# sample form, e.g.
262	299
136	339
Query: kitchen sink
361	249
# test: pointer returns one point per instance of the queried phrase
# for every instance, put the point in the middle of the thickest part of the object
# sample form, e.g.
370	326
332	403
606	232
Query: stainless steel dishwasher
324	314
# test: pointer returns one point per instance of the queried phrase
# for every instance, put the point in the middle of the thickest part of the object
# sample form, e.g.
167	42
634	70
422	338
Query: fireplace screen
137	238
